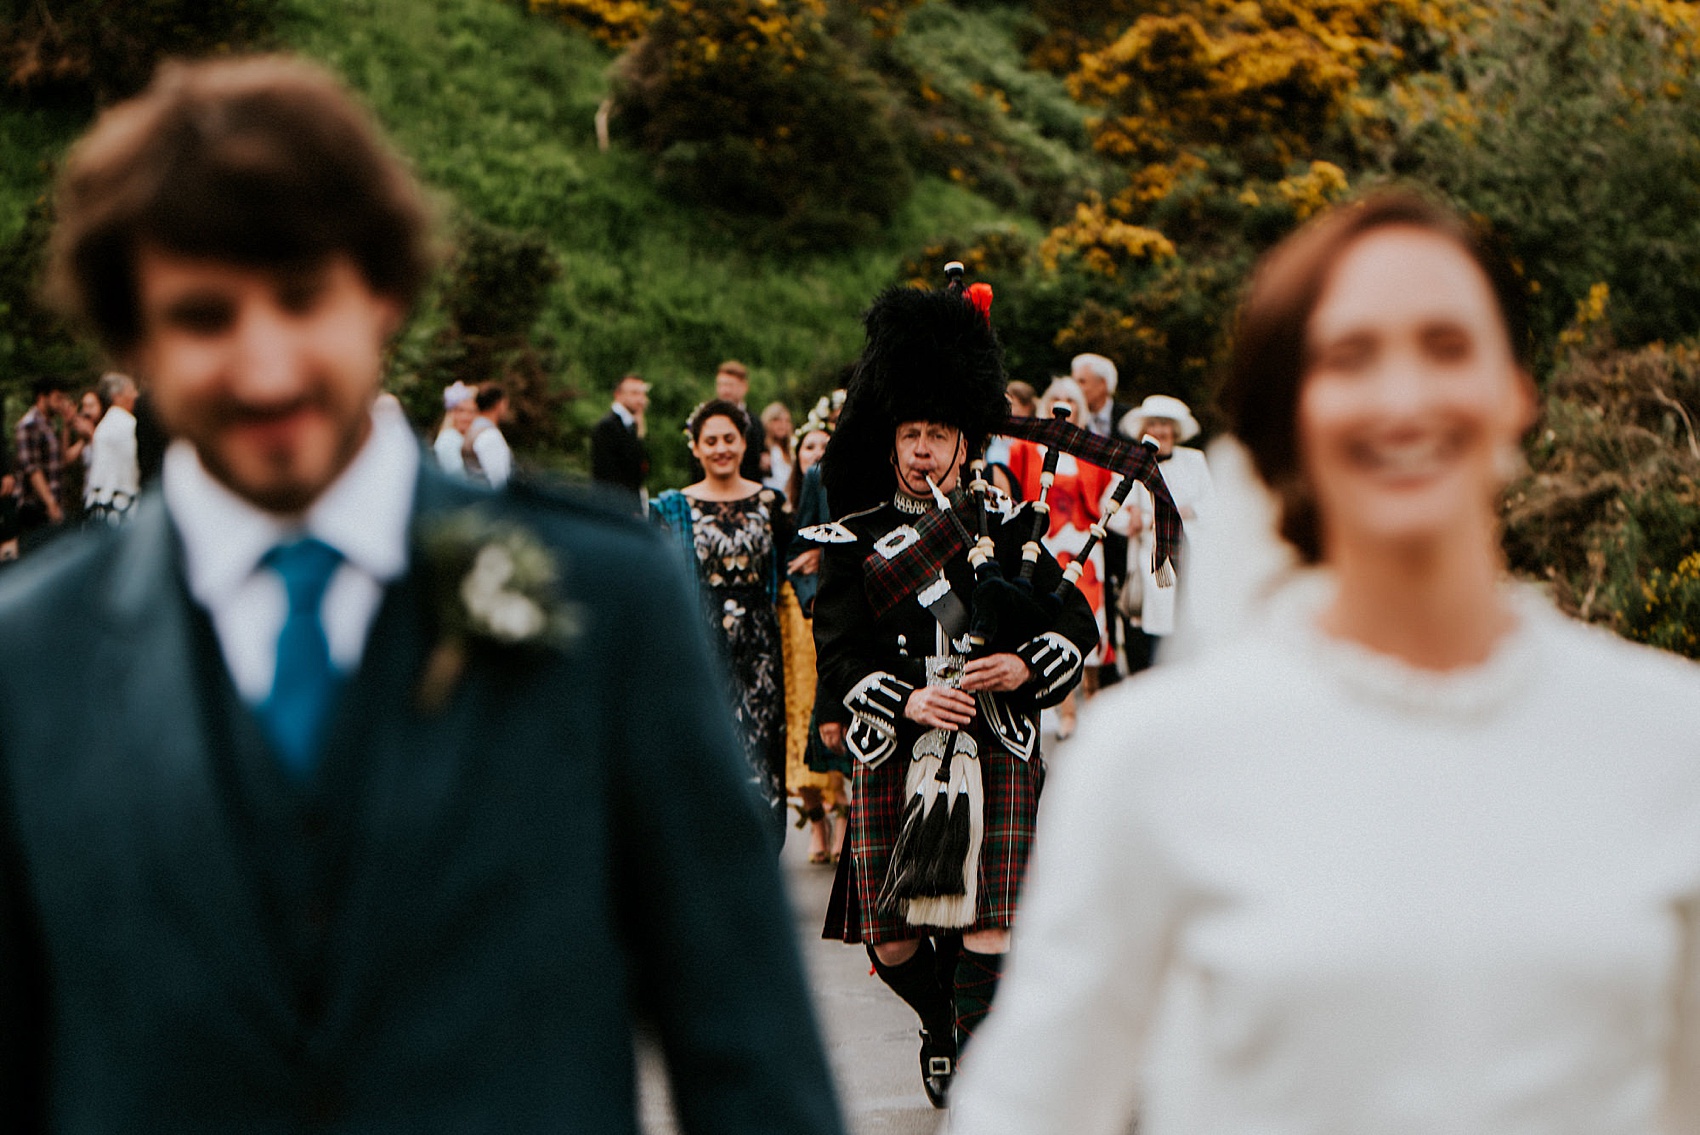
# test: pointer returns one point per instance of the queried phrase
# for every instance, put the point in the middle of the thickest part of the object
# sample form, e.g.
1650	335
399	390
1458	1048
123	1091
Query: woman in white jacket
1427	857
1149	609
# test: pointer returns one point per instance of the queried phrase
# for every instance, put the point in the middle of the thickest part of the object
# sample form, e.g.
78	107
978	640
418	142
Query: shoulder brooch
831	532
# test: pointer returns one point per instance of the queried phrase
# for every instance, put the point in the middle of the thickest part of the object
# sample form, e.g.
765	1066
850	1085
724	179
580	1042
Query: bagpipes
933	869
1001	613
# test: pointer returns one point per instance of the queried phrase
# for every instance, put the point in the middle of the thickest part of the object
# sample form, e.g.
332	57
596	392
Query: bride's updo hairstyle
1261	395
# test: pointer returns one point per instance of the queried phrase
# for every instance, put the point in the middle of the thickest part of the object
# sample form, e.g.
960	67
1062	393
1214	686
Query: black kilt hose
869	663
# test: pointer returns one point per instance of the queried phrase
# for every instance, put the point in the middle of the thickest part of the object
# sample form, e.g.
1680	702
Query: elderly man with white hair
1097	378
114	475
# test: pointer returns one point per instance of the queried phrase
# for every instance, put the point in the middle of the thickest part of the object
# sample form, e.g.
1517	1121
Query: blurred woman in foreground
1427	860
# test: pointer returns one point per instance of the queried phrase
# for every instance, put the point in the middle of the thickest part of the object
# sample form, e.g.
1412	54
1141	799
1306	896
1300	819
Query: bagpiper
938	632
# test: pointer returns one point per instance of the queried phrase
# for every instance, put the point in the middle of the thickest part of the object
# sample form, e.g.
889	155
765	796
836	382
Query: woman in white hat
1149	609
458	411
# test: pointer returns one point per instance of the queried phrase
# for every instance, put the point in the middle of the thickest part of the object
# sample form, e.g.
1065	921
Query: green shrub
33	340
1573	127
493	289
748	106
976	114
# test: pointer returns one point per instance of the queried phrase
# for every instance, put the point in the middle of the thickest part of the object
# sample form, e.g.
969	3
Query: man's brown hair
734	368
266	162
1261	395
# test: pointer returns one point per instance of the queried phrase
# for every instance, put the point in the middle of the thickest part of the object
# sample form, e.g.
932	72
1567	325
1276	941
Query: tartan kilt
1012	788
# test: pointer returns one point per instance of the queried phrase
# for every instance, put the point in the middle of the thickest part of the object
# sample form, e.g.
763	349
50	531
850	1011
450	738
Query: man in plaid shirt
36	475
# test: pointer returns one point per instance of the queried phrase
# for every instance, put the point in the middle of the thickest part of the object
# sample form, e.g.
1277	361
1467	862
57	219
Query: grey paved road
870	1034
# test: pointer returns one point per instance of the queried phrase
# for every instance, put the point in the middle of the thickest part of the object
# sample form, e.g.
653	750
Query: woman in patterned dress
732	529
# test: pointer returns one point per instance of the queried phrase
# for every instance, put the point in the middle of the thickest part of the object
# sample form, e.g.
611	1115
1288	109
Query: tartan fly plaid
1118	456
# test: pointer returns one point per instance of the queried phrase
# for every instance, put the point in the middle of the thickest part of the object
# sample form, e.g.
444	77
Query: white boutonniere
495	585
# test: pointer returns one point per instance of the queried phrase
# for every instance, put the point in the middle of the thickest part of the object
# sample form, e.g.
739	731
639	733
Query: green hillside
496	107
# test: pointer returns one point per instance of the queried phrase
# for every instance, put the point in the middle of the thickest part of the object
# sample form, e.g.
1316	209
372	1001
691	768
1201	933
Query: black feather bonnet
930	356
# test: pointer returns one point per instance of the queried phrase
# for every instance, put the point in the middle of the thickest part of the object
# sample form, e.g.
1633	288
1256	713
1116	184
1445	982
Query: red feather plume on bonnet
980	295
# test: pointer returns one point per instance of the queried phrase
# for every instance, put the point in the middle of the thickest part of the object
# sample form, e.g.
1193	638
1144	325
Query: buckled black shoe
938	1065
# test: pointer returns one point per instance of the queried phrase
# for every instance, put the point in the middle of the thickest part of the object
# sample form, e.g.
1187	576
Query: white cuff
875	704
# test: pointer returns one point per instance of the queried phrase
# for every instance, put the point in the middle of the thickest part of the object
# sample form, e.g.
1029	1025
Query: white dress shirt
494	456
1297	886
364	515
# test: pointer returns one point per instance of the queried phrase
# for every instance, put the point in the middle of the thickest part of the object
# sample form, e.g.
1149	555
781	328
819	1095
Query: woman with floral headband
733	531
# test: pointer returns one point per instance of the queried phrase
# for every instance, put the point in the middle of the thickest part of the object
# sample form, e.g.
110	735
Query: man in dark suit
618	456
404	799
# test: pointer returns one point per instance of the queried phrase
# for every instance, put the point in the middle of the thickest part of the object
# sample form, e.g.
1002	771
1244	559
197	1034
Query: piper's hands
832	735
997	672
808	563
940	707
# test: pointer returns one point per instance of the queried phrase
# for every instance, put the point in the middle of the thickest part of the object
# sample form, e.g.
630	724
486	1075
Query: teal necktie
304	688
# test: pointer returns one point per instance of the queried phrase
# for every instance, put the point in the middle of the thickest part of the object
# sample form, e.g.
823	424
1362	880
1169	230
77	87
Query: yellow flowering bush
1669	615
1312	191
1104	243
1590	327
616	23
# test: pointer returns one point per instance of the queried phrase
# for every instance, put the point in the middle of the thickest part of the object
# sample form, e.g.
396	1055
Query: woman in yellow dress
814	775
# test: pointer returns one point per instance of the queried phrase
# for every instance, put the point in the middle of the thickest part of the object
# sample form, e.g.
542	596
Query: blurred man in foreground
366	836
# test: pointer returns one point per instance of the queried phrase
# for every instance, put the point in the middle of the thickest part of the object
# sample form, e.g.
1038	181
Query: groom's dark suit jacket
451	928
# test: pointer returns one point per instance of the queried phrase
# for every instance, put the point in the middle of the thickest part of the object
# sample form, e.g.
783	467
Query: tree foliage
108	49
1573	128
749	106
485	310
